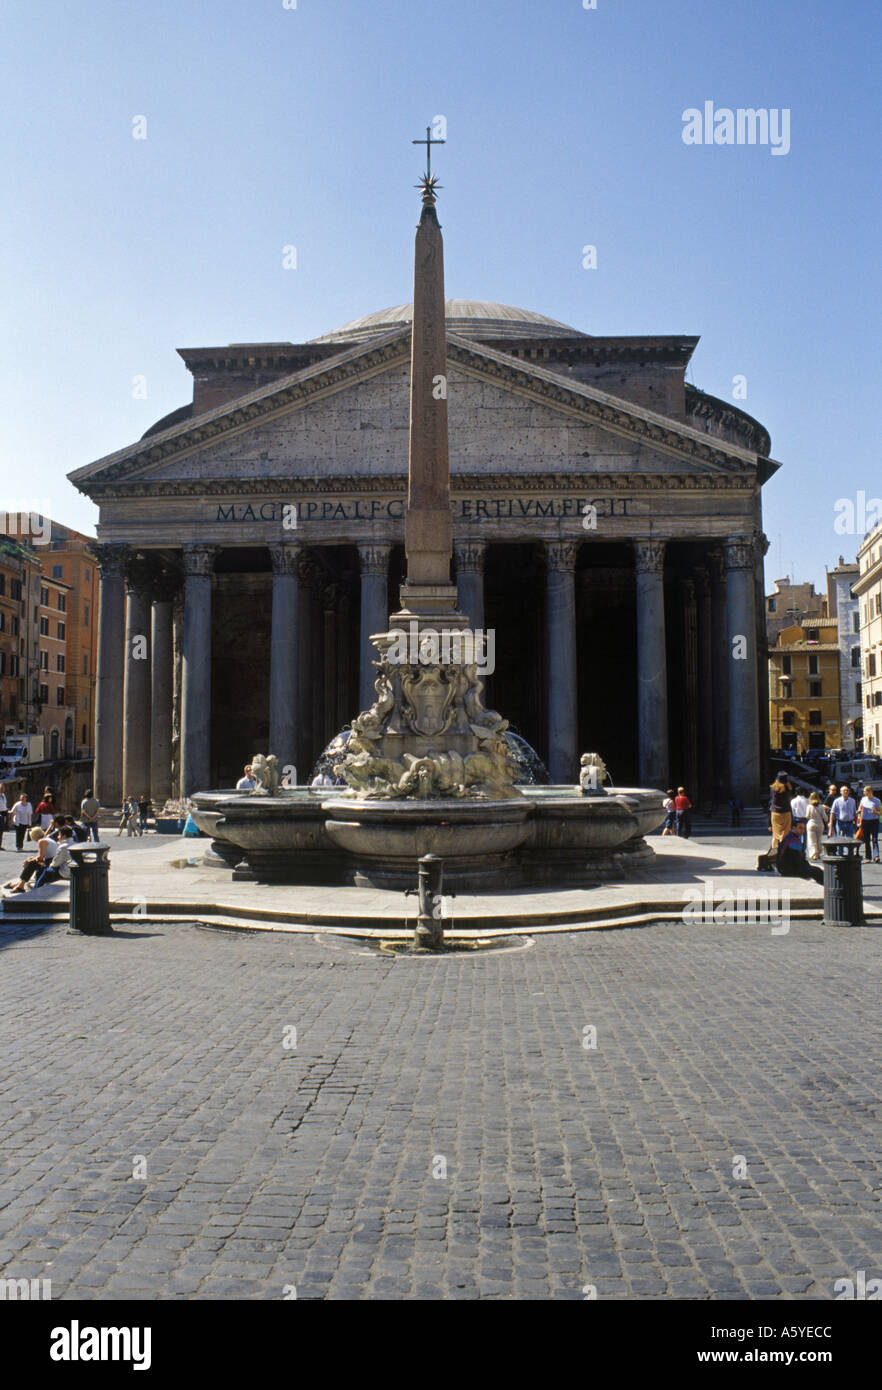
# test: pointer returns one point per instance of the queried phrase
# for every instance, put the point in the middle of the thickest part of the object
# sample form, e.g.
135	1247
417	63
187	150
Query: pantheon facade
607	526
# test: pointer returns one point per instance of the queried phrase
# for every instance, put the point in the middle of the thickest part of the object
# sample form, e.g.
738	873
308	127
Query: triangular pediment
348	416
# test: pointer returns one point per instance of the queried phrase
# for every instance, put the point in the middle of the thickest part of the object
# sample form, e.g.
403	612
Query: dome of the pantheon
468	318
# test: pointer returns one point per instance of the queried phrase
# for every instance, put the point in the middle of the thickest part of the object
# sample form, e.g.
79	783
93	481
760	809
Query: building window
2	663
62	603
813	665
85	704
60	633
814	716
58	571
15	589
856	657
771	605
787	665
44	627
44	597
87	574
85	615
788	718
877	605
16	626
83	739
815	689
871	664
14	665
44	661
857	692
59	662
85	664
44	694
855	621
811	634
2	621
60	695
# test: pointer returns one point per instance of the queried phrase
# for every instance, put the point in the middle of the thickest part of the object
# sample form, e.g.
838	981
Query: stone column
470	555
284	654
109	676
330	601
560	617
652	670
196	670
374	564
136	697
177	683
310	667
742	656
720	676
161	690
689	687
705	685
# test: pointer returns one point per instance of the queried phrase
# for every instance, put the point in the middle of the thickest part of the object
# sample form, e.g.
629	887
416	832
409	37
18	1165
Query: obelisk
427	593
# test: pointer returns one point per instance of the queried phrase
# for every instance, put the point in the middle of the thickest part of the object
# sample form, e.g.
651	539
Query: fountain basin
547	834
384	839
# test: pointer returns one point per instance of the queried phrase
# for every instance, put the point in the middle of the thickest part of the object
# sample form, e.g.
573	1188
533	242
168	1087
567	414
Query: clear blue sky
269	126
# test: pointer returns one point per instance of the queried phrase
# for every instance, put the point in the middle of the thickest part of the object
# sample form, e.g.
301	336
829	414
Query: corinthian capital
561	555
649	556
374	559
740	552
470	555
285	559
198	559
111	557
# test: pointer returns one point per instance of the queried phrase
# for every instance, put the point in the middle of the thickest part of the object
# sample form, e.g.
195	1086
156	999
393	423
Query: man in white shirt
843	813
246	783
22	814
799	808
870	809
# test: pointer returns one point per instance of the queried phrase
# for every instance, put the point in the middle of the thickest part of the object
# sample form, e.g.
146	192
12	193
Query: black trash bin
843	885
90	890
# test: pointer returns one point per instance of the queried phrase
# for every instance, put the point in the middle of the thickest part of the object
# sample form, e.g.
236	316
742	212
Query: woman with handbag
868	824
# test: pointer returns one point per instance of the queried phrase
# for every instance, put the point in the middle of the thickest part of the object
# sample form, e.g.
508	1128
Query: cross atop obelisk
428	526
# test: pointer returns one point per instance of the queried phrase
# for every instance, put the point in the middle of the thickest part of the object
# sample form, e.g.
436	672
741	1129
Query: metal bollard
89	891
429	930
843	886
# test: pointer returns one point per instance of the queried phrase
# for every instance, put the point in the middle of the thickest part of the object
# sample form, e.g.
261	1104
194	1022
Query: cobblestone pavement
323	1165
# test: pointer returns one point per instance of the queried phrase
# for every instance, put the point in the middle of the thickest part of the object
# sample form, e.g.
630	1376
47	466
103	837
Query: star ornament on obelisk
427	593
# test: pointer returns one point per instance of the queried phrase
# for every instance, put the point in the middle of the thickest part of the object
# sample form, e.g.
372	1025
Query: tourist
22	815
780	811
144	809
127	816
869	822
734	810
682	807
843	813
799	808
790	861
832	793
60	865
89	808
4	814
816	825
46	851
670	811
246	782
46	810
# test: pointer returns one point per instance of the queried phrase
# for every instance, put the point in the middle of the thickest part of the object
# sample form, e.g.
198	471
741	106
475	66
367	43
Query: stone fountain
427	768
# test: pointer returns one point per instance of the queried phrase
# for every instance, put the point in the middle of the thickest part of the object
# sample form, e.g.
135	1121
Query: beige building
789	604
868	591
804	710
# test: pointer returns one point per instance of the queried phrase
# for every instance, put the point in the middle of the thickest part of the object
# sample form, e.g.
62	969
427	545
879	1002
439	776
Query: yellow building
804	687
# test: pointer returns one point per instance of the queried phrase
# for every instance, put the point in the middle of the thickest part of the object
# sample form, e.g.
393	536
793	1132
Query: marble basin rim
404	830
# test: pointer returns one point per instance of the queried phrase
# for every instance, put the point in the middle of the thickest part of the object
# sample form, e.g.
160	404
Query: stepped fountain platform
168	881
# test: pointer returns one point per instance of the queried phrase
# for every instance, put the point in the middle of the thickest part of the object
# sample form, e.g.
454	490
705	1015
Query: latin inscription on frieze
302	512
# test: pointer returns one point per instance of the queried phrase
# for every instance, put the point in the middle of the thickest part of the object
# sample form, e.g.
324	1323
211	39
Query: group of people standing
134	814
678	813
793	814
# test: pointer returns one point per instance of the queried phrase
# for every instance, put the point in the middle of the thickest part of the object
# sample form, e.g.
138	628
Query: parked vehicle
21	749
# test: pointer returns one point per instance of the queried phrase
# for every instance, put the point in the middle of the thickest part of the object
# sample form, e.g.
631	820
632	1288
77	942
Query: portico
618	538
